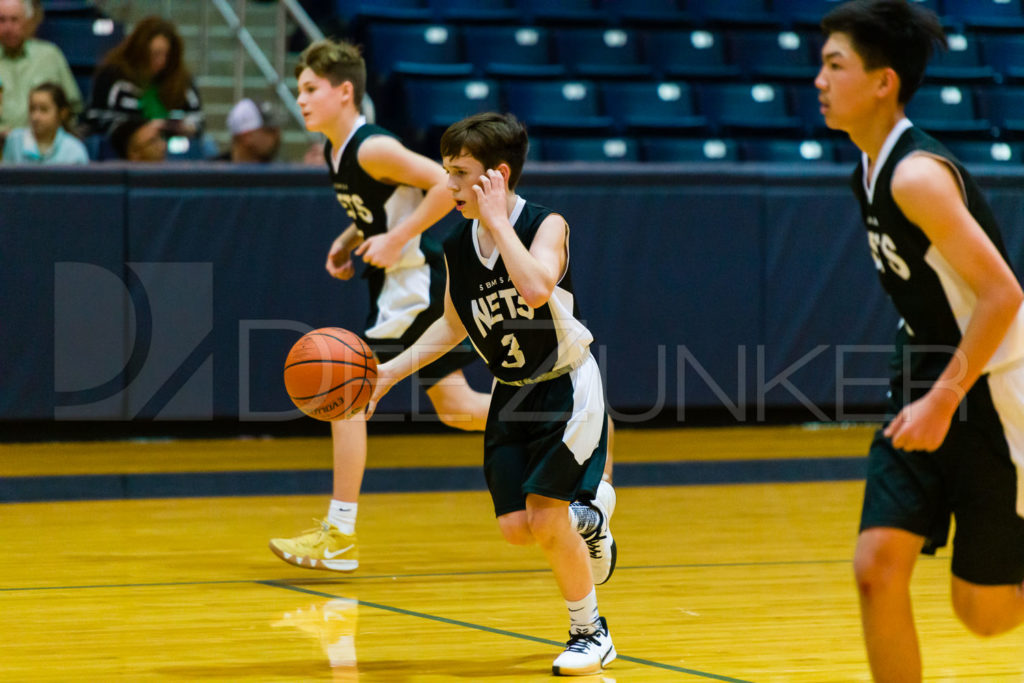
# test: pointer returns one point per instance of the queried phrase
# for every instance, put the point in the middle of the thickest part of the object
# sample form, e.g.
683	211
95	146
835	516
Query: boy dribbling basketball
510	290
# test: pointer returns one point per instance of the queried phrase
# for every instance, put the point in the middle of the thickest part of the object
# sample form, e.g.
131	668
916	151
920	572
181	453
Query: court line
497	631
138	485
392	577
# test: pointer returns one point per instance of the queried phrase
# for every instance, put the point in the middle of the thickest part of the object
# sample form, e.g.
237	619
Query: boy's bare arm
388	161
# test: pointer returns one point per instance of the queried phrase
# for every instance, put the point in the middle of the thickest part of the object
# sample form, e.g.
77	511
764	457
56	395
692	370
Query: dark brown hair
60	101
491	139
889	33
131	57
337	62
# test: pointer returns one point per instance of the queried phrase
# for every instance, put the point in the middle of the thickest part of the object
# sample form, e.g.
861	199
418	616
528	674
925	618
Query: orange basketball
329	373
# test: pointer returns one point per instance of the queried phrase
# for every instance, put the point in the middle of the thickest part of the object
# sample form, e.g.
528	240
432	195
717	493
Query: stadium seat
1005	54
591	149
744	107
732	12
649	106
357	12
601	53
682	149
1003	107
947	109
556	105
511	51
434	104
81	9
83	41
961	63
461	11
803	13
646	12
974	152
774	55
416	50
805	104
697	54
985	14
800	151
568	12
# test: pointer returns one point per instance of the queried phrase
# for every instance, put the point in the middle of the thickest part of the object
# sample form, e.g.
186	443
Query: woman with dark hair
145	77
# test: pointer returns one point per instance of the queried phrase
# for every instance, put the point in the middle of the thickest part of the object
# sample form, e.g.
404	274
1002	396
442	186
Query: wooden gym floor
716	581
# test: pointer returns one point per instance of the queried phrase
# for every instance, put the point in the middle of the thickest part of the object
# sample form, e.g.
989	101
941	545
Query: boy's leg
332	546
590	646
988	610
607	476
883	564
457	404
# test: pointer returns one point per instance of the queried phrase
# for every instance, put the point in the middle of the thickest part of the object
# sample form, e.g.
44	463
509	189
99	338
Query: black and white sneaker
599	540
585	653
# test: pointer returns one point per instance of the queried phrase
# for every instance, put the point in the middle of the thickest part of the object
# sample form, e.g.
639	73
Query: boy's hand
382	251
339	257
923	424
491	198
385	380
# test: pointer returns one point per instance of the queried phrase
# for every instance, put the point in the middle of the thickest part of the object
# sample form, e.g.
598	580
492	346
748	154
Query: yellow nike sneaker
320	548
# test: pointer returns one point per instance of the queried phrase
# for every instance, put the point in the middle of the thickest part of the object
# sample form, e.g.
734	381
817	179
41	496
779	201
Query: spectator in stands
255	133
136	139
27	62
145	77
49	139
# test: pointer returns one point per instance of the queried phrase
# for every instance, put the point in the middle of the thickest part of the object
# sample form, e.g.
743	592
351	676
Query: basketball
329	373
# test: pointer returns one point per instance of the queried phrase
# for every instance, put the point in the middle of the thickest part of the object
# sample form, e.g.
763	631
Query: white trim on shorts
583	429
1007	390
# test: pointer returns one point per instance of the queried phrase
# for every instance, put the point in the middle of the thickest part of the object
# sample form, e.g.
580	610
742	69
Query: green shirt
38	62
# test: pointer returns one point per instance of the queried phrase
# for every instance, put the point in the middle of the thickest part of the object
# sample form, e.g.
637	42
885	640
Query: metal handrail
247	42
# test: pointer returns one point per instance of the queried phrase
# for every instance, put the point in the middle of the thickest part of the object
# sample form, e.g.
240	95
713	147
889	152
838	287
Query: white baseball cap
246	115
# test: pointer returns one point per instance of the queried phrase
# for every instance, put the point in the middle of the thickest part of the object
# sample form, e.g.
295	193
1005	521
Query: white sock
343	515
583	614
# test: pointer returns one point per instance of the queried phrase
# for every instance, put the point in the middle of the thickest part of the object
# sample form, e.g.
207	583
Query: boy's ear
505	170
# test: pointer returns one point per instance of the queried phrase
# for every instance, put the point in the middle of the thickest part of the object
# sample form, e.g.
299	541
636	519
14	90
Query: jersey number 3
354	207
515	358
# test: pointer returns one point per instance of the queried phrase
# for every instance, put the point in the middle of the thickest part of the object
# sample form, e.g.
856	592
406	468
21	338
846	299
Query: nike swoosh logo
330	556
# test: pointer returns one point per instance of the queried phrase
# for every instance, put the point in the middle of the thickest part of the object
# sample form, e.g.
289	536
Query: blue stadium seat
651	13
683	149
803	13
946	109
556	105
805	104
511	51
416	50
591	149
1004	108
601	53
569	12
733	12
357	12
649	106
460	11
985	14
434	104
962	62
1005	54
697	54
976	152
81	9
83	41
744	107
790	151
774	55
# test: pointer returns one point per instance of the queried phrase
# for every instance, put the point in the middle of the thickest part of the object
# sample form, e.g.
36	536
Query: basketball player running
510	289
956	443
392	196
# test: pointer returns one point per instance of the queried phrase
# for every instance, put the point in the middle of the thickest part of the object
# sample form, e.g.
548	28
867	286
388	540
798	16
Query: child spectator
48	139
